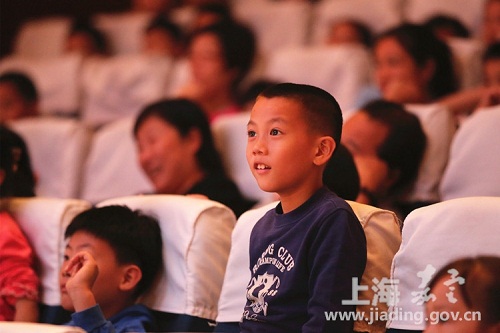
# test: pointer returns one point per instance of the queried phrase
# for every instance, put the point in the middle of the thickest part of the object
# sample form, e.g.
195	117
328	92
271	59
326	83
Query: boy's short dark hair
135	238
22	83
321	109
404	146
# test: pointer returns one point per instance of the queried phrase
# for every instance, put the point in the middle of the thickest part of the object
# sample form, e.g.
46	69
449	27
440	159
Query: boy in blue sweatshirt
304	253
112	256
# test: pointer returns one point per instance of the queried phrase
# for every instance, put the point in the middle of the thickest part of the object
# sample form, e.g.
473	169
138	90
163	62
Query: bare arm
26	310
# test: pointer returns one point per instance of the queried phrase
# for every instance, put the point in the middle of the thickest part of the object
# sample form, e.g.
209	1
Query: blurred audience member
446	27
177	153
387	144
162	37
18	97
413	65
350	32
85	39
220	56
210	13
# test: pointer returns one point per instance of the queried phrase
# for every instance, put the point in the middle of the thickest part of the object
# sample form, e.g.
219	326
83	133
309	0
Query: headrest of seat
44	221
437	234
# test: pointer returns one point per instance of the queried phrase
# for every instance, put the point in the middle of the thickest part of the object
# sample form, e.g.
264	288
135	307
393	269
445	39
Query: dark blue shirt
302	264
135	318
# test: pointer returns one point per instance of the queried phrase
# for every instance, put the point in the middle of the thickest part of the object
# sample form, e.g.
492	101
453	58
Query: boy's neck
291	201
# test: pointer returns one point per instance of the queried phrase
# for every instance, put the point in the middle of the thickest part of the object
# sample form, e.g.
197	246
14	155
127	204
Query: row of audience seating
101	90
206	252
269	19
73	161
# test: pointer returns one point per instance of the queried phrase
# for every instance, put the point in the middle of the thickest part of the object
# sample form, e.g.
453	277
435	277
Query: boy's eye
251	134
66	257
274	132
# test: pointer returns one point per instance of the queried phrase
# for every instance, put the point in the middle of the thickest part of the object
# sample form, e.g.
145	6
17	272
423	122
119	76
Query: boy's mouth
260	166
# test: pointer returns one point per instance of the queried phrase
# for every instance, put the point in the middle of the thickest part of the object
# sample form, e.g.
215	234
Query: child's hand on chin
82	272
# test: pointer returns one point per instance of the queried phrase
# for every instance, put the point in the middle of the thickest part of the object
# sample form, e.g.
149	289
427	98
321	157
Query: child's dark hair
404	146
321	110
481	290
185	115
19	180
238	45
135	237
22	83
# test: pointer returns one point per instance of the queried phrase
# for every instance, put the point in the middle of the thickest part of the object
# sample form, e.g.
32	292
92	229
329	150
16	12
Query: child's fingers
75	264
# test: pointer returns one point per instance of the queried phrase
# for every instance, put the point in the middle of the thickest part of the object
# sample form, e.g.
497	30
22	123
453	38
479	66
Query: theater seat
433	236
342	70
111	168
473	166
58	148
44	221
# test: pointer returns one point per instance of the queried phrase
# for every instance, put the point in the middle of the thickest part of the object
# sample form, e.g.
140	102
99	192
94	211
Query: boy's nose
259	147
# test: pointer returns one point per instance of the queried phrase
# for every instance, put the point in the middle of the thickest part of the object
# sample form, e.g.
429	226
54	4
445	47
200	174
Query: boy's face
106	285
281	147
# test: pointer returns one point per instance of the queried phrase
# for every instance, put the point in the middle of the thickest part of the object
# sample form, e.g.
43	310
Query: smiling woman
177	153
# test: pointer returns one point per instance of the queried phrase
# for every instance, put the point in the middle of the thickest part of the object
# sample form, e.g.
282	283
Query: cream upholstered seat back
382	230
342	70
434	236
120	86
58	148
57	80
112	168
439	127
474	163
44	221
196	240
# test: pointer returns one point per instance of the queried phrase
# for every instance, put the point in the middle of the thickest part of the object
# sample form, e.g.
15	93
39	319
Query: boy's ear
131	275
326	146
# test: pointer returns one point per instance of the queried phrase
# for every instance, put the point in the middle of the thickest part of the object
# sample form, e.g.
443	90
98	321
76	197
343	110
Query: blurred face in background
398	76
13	105
491	22
208	66
167	158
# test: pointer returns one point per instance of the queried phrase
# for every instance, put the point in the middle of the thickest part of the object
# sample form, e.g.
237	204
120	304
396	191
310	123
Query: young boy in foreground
112	256
305	252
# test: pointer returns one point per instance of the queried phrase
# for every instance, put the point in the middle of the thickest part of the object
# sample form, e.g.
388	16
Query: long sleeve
18	278
136	318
